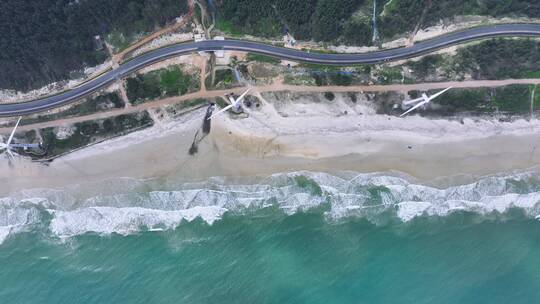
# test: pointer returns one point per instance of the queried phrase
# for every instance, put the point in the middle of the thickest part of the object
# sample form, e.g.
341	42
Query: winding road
152	57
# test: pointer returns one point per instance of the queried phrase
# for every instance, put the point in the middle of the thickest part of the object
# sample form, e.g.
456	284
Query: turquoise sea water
270	252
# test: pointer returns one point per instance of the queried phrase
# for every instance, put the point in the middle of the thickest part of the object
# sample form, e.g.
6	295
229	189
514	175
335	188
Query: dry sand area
291	132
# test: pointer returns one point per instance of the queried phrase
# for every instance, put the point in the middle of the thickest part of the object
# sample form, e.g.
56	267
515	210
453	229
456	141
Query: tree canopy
42	41
322	20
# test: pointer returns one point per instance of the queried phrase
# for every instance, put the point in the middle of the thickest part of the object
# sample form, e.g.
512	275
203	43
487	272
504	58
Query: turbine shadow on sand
203	131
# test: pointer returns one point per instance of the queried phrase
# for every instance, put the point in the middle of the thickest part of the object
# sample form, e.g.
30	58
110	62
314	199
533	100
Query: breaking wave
126	206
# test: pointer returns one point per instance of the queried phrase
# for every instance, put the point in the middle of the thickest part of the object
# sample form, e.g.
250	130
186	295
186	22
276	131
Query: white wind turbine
421	101
8	146
233	103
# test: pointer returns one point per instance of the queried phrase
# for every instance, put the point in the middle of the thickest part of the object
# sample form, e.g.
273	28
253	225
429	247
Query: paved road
291	54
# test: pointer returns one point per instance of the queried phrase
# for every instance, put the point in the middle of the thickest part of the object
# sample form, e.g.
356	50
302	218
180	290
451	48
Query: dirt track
275	88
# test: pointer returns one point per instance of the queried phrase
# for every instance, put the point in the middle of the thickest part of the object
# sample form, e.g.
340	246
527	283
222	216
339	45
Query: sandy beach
287	136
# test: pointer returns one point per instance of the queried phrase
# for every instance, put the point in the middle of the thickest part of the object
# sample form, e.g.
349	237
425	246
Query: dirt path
274	88
420	22
202	64
128	110
204	17
123	93
118	58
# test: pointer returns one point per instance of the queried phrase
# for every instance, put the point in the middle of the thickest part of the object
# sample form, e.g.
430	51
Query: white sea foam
4	233
107	220
127	205
17	216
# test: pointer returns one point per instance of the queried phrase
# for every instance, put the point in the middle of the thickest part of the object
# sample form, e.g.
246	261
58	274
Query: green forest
401	16
43	41
322	20
350	21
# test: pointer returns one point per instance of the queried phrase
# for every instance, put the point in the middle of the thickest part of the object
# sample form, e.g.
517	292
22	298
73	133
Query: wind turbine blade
413	108
408	102
239	99
438	94
220	111
13	132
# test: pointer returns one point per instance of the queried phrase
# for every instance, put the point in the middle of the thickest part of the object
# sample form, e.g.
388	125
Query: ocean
299	237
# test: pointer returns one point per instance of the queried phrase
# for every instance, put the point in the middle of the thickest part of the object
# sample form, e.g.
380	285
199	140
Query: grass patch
174	82
532	74
426	66
322	75
512	98
298	79
325	67
198	13
262	58
459	100
224	78
318	51
220	101
161	83
536	97
332	78
193	103
389	75
227	27
118	41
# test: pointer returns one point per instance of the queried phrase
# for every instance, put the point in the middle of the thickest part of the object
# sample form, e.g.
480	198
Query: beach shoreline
285	137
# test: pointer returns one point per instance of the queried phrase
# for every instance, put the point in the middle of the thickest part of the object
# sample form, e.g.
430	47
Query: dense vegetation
349	21
490	59
46	40
224	78
501	58
494	59
403	15
42	41
92	131
322	20
513	99
161	83
504	101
